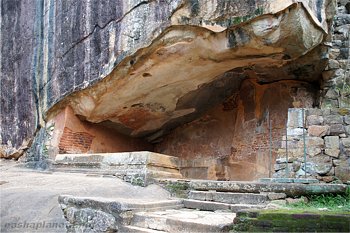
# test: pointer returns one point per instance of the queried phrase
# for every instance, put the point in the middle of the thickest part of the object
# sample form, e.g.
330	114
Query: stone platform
139	168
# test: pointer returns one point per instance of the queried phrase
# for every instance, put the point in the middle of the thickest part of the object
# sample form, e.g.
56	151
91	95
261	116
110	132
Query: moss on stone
344	111
292	220
179	189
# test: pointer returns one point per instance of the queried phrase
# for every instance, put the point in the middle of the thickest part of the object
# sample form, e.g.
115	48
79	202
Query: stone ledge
139	168
289	180
290	189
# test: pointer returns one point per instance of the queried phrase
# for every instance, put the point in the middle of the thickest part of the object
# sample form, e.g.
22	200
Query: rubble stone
332	142
314	120
336	129
318	130
332	152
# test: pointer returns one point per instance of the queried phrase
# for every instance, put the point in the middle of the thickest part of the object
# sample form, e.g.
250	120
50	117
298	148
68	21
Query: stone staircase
181	220
207	206
210	206
227	201
203	211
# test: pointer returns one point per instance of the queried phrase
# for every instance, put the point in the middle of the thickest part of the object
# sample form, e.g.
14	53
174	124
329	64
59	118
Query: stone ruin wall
327	145
336	77
327	128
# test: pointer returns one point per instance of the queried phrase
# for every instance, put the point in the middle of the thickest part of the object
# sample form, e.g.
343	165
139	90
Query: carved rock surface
146	66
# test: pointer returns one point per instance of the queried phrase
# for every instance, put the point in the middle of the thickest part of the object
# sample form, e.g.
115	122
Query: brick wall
75	142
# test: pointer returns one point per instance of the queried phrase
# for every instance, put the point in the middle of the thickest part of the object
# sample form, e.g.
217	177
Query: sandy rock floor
28	198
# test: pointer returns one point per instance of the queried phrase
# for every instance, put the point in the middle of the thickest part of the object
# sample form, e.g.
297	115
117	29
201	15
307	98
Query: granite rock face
146	67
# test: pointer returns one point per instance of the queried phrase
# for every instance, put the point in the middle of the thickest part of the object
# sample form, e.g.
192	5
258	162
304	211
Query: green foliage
179	189
331	202
138	181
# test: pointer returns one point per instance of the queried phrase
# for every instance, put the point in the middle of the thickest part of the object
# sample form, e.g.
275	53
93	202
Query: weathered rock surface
166	77
153	60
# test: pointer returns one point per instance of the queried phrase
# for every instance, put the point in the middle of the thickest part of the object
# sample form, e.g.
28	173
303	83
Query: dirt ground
28	198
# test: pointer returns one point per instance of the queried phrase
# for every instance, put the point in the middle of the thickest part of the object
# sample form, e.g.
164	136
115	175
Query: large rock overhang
183	72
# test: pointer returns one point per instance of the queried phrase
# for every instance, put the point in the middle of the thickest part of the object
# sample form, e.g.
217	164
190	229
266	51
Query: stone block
279	166
318	130
344	101
347	119
332	94
334	53
327	179
333	64
139	168
291	143
314	111
230	198
320	165
336	129
314	120
313	151
336	162
312	142
296	166
347	152
332	152
331	172
284	160
306	180
342	19
332	142
345	142
295	132
276	196
333	119
342	171
326	112
347	129
295	118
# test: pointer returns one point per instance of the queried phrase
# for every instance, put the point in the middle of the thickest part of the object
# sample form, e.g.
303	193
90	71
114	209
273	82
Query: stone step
109	205
119	159
124	204
133	229
141	167
228	197
214	206
290	189
184	220
289	180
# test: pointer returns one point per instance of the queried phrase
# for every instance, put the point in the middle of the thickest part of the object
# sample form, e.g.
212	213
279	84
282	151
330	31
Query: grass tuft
330	202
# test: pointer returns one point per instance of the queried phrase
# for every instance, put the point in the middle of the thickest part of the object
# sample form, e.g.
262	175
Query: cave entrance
228	140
